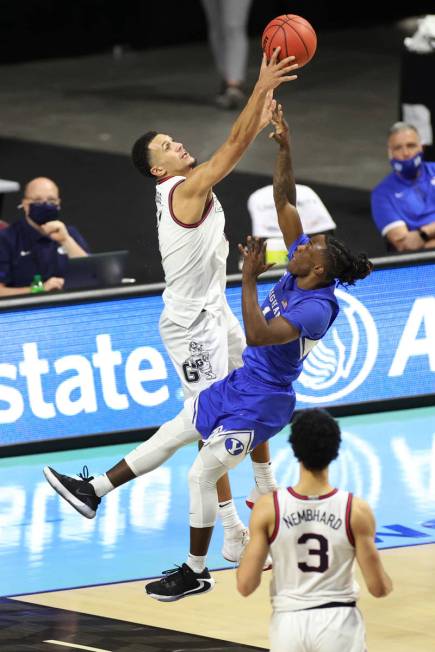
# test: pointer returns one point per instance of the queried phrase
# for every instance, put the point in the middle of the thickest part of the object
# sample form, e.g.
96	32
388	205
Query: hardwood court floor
402	622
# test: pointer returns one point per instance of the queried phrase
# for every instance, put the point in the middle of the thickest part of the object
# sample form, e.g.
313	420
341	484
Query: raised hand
254	253
280	133
268	110
273	73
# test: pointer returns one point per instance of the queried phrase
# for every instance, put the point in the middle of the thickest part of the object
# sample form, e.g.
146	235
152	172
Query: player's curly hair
315	438
343	265
140	153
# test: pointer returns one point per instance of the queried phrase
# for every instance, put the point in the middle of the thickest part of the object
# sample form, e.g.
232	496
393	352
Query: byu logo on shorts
234	446
343	359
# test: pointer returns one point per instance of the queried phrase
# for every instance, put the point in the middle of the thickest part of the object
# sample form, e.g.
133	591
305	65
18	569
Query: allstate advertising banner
99	367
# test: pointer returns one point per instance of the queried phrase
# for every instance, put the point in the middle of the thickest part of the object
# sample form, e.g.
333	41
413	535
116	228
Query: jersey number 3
320	552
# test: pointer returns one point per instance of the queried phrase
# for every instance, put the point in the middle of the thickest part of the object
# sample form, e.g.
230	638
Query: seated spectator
38	243
314	215
403	204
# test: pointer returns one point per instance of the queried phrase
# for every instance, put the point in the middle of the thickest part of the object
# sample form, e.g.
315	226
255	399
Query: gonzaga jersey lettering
312	549
193	257
311	311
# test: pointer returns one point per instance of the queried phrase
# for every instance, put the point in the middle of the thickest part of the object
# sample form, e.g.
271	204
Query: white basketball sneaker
234	546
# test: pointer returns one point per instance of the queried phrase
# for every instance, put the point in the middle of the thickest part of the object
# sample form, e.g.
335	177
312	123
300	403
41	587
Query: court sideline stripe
17	596
76	646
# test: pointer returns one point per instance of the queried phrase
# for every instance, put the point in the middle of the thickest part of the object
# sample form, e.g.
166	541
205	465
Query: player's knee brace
203	496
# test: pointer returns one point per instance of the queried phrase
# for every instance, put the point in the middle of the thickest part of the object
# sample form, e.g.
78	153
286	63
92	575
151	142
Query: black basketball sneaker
78	492
181	582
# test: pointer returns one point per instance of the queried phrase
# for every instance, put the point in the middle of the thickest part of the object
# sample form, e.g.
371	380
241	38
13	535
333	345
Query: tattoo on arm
284	187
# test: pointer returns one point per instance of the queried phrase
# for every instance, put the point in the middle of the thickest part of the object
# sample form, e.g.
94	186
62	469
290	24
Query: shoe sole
83	509
189	594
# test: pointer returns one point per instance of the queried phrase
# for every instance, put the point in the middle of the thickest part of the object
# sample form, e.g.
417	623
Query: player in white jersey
201	334
314	533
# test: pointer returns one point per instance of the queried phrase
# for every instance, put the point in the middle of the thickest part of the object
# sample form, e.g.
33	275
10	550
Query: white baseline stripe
76	646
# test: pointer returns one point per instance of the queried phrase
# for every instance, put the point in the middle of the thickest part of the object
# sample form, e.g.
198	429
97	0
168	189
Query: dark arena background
79	83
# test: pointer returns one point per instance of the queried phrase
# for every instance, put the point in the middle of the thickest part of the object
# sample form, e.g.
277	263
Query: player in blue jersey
254	402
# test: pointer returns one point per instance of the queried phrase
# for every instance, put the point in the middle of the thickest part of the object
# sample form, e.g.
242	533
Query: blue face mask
43	212
408	169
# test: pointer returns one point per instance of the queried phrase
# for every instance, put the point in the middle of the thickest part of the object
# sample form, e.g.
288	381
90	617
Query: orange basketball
293	34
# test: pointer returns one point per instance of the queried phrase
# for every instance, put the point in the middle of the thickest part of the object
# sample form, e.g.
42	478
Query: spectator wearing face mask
38	243
403	203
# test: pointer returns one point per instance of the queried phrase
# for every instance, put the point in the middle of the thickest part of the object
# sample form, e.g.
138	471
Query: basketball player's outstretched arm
284	187
363	526
254	117
261	526
259	331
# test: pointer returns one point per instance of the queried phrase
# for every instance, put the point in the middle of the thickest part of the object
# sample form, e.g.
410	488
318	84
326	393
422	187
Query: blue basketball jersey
259	396
311	311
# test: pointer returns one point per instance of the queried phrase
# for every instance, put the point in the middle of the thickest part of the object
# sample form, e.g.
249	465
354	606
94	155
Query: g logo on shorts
234	446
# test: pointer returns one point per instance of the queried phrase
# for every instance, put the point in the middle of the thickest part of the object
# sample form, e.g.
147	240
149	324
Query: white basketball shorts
335	629
206	351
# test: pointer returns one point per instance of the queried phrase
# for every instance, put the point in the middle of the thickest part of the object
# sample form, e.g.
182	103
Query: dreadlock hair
315	439
343	265
140	153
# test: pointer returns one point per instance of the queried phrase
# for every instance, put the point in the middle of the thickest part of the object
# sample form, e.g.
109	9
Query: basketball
293	34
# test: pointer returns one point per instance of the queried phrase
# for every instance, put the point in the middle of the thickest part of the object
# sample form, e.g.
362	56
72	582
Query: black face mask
43	212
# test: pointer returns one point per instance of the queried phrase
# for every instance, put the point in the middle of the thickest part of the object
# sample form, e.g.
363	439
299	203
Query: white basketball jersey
194	257
312	550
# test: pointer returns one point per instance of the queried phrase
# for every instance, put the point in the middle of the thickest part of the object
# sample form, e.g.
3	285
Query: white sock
196	563
102	485
230	519
264	477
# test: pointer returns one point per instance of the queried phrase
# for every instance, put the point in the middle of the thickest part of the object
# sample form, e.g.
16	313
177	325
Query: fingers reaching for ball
274	72
280	133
